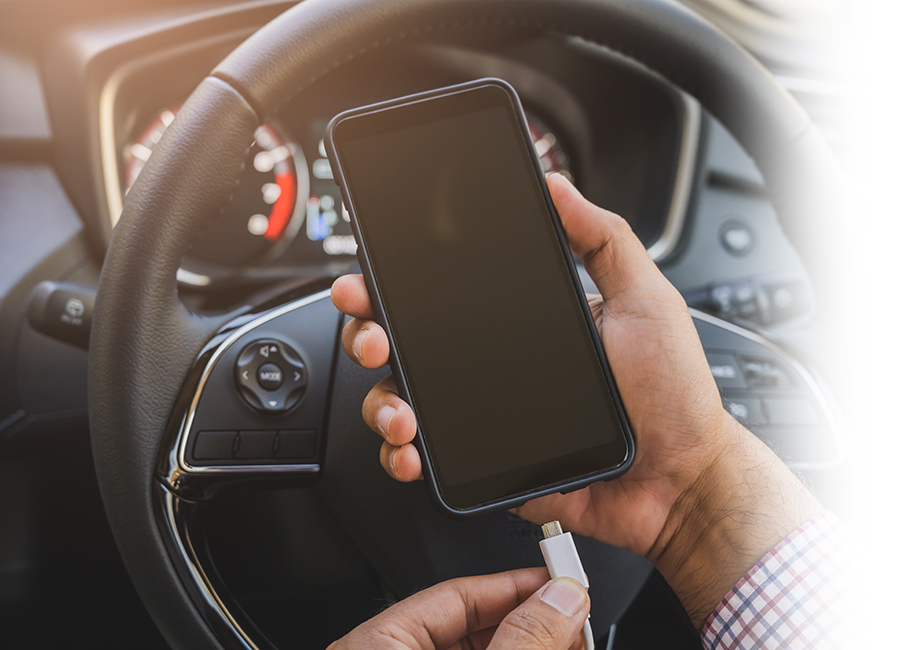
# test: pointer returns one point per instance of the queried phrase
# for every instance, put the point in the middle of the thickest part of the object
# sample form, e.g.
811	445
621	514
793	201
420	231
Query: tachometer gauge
265	212
551	154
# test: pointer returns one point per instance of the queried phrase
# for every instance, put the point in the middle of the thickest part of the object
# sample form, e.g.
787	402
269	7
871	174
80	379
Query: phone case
375	296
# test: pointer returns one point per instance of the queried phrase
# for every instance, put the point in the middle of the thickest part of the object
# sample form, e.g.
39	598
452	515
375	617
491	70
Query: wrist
740	505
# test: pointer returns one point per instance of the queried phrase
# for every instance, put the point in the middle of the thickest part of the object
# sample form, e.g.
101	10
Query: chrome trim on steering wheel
175	517
178	466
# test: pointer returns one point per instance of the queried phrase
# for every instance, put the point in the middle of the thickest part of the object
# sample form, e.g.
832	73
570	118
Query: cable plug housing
563	561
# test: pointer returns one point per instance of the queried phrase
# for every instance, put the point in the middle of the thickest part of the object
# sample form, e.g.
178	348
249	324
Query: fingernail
392	460
358	343
384	416
560	176
565	596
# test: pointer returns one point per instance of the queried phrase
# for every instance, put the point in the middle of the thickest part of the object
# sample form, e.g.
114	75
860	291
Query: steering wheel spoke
253	406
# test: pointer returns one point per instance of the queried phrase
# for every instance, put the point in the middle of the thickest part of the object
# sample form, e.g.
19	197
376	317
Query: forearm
740	506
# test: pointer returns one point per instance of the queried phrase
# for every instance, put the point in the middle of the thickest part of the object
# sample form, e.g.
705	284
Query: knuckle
373	402
348	332
369	407
348	337
384	456
619	226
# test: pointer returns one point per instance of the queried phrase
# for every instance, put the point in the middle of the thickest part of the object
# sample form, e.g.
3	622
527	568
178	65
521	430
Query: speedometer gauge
265	212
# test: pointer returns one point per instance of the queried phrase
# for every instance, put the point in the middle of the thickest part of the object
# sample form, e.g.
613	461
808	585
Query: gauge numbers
267	209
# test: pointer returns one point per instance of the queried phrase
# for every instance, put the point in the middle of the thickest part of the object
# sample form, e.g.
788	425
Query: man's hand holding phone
704	500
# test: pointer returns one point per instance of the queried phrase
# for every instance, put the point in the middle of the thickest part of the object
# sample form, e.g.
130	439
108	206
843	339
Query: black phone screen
489	330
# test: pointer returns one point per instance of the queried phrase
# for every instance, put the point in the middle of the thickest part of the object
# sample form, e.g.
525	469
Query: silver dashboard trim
109	159
180	446
684	181
819	393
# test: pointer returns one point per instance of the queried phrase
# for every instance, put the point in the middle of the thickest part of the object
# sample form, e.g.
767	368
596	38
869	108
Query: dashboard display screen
327	224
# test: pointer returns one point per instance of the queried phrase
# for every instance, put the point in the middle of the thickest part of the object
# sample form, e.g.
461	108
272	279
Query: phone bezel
438	491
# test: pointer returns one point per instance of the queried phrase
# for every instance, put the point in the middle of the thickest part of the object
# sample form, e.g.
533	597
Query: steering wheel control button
725	370
259	445
296	445
737	238
271	376
746	409
765	373
215	445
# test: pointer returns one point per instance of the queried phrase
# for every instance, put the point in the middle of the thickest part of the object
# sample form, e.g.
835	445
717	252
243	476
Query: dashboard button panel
771	394
271	376
277	356
746	409
725	370
765	373
215	445
296	445
260	447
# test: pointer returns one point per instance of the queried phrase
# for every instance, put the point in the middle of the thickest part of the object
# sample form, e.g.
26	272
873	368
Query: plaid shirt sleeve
798	596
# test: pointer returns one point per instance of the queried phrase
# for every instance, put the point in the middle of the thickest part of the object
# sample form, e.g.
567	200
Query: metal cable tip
551	529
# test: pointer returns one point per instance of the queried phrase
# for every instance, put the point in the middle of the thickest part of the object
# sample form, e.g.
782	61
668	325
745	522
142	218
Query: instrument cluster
287	207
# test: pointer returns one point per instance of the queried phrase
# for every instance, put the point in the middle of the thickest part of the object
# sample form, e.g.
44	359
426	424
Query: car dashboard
630	141
634	154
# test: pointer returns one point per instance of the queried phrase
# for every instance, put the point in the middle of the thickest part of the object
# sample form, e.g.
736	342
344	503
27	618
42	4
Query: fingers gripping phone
467	265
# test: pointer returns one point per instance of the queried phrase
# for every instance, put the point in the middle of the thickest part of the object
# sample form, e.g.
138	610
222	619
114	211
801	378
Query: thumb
550	619
613	255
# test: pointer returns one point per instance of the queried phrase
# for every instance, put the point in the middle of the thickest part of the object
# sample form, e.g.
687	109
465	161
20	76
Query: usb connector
561	557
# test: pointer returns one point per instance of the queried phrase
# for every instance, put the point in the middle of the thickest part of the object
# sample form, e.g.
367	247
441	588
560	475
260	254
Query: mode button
270	376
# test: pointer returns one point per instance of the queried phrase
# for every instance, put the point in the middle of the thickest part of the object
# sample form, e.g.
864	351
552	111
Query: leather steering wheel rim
144	340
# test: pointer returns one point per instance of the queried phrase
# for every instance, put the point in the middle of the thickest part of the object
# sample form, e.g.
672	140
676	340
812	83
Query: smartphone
466	262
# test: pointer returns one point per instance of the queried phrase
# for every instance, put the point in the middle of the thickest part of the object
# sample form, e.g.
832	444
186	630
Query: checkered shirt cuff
800	595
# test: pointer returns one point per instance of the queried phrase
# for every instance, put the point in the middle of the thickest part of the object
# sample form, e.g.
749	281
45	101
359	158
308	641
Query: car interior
156	489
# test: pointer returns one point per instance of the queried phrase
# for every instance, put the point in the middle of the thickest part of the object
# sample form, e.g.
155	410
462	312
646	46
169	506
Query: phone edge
381	316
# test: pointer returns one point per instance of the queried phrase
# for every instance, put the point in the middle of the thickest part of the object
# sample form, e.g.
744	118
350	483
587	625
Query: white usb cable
562	561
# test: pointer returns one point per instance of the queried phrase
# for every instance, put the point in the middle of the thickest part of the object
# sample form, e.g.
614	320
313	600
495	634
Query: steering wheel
177	412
